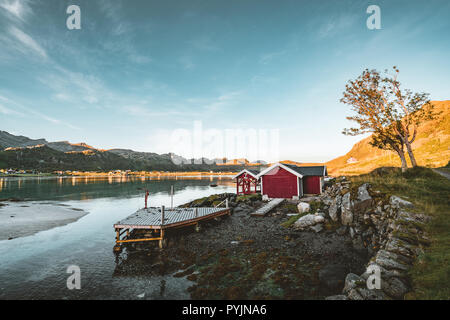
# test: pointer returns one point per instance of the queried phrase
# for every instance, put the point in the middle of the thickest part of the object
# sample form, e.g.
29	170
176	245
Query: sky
140	74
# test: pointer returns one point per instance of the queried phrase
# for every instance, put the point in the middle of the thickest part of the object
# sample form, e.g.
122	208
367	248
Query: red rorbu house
247	182
291	181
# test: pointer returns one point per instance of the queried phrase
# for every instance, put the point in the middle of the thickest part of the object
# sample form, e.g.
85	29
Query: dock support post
196	212
117	246
161	241
226	203
162	215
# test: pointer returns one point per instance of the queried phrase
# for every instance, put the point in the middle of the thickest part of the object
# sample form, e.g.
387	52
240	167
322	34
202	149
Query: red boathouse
247	182
291	181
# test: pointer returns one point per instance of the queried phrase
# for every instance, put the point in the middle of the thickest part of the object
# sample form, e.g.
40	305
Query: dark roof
309	171
255	172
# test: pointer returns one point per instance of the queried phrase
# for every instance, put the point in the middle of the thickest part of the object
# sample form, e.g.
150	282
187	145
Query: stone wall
386	227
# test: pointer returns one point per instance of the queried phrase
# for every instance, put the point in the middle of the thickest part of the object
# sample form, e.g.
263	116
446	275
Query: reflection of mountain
81	188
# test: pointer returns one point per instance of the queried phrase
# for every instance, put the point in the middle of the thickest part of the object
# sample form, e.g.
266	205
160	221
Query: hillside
46	159
8	140
431	148
19	152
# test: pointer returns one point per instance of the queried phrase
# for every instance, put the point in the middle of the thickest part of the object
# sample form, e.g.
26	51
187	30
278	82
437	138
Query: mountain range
38	154
431	148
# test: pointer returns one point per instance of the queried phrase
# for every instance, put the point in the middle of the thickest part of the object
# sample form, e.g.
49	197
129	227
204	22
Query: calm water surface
34	267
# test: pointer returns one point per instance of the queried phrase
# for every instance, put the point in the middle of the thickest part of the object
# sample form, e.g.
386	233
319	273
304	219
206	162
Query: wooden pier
153	222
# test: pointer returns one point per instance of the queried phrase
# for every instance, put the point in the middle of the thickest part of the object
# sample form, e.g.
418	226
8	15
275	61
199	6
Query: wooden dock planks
267	207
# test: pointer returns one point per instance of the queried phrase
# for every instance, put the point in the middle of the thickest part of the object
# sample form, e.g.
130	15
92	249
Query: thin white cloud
18	9
27	41
336	25
30	111
268	57
222	101
7	111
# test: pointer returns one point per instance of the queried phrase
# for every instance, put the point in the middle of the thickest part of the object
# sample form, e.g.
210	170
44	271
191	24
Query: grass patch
430	193
249	197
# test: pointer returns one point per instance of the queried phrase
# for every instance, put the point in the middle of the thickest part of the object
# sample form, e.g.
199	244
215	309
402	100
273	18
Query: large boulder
389	260
335	209
303	207
308	221
364	200
394	287
346	210
363	194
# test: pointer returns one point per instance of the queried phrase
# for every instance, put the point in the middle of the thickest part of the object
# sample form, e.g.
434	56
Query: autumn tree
391	114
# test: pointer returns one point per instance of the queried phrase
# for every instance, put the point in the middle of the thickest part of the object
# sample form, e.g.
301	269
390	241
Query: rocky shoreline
246	257
385	226
321	247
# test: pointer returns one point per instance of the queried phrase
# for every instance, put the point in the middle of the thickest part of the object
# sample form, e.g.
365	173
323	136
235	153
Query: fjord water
35	267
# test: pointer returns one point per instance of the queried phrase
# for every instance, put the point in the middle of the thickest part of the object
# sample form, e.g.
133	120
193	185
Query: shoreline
140	175
25	218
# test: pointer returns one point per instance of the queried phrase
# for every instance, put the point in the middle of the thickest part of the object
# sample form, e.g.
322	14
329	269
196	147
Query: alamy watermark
374	280
374	20
74	20
199	145
74	280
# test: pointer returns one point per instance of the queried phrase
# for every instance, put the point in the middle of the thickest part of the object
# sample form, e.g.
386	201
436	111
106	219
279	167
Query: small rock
317	228
341	230
354	295
142	295
337	297
303	207
400	203
352	281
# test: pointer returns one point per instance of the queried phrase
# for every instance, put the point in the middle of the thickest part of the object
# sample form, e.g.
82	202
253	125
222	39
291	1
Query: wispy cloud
30	111
17	9
7	111
222	101
27	41
268	57
336	24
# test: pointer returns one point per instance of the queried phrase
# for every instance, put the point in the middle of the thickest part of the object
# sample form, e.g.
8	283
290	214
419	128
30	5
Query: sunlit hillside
431	148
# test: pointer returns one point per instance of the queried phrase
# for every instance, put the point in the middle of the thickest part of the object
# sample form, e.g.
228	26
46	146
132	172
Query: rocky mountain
431	148
8	140
20	152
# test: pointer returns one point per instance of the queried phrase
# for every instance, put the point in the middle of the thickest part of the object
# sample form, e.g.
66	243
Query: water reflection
35	267
83	188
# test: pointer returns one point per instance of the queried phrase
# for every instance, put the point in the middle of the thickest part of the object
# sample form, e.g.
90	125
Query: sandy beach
24	218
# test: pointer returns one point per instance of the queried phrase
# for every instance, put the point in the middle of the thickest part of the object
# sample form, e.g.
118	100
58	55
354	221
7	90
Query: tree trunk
402	159
410	154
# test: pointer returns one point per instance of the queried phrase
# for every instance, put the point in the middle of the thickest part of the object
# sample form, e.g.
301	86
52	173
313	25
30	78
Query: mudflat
24	218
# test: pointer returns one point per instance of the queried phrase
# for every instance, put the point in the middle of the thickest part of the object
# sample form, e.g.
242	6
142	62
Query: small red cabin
291	181
247	182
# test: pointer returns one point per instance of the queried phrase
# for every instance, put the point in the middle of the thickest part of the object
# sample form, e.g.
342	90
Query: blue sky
137	70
